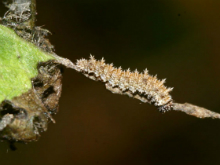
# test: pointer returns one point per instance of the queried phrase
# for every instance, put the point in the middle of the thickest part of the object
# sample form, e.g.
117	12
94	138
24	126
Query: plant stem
196	111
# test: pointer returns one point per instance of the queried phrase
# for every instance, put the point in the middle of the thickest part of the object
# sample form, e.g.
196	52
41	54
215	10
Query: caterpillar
141	86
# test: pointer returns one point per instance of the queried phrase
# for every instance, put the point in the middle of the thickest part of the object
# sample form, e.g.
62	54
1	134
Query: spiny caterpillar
141	86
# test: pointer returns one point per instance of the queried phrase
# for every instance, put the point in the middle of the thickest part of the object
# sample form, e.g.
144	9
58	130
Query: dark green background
175	39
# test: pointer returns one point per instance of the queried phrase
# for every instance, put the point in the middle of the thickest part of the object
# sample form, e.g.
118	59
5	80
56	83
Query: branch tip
196	111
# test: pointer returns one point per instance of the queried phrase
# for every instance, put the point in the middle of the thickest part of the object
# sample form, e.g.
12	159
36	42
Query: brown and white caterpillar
141	86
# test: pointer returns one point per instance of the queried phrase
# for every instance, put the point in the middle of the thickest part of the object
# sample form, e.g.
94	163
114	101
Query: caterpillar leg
166	107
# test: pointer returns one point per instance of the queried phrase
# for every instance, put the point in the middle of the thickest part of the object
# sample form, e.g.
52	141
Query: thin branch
33	13
196	111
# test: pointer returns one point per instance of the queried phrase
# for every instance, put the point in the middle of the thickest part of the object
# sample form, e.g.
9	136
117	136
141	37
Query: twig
196	111
33	13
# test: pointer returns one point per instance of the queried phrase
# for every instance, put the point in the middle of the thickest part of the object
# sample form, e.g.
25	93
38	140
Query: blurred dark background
175	39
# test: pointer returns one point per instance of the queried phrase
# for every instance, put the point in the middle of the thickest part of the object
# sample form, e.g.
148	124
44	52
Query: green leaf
18	63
